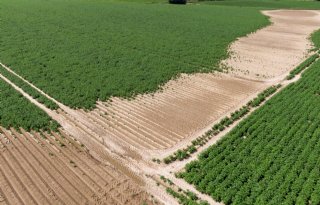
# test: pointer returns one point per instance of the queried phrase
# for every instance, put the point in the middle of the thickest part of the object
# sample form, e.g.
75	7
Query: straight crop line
30	84
26	95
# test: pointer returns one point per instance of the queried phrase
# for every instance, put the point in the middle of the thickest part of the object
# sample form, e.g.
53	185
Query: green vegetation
185	197
79	51
271	157
302	66
28	89
219	127
16	111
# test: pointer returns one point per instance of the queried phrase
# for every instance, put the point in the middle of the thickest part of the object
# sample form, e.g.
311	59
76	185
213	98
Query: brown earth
42	168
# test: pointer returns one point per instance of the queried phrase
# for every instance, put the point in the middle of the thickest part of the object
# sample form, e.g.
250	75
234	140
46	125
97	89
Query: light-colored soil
42	168
126	134
186	105
276	49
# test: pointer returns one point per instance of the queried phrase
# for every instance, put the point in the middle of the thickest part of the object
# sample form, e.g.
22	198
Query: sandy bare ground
42	168
276	49
128	133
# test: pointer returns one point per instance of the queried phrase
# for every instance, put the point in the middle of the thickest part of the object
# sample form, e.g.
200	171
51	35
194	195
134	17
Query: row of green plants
116	49
28	89
182	154
16	111
184	197
302	66
272	156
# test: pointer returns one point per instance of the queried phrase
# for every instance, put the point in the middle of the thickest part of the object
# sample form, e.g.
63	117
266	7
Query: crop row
271	157
182	154
184	197
16	111
28	89
302	66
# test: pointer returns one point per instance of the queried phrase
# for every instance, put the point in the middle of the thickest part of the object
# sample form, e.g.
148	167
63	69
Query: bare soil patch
161	120
275	49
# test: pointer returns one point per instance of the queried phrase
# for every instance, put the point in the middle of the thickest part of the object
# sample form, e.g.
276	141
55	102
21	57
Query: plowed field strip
121	127
21	189
134	125
3	200
9	193
56	177
86	164
136	116
64	172
87	177
128	108
98	183
32	178
58	189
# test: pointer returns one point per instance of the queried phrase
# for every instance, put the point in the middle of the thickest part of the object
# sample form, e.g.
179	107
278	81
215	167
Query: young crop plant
184	197
271	157
302	66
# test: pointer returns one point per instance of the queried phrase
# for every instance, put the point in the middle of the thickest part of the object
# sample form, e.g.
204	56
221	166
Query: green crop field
79	51
16	111
273	156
